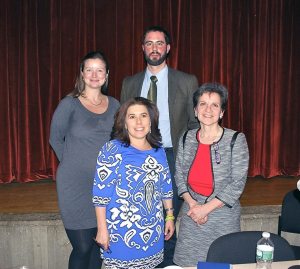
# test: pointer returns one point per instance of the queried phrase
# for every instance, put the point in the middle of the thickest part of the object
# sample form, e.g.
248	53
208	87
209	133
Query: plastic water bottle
264	252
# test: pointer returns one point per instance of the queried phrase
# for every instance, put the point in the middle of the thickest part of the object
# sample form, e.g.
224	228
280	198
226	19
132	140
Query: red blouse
200	176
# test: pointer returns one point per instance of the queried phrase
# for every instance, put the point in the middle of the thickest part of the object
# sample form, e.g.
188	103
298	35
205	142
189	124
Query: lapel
139	83
171	90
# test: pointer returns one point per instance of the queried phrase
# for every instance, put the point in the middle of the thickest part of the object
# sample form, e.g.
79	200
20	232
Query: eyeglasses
217	153
157	44
108	251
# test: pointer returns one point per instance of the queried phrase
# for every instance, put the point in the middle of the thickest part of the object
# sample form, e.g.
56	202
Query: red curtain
250	46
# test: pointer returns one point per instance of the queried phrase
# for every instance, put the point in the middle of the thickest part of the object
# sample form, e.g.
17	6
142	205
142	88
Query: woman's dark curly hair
119	131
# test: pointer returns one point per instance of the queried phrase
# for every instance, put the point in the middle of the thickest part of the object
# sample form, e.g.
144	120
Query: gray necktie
152	93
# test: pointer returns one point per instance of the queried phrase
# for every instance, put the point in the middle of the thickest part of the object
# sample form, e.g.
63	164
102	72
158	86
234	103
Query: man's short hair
157	28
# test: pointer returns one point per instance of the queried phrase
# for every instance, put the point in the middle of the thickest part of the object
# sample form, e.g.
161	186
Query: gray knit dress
76	136
229	178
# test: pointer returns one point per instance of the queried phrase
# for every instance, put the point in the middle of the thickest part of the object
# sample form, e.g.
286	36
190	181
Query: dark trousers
85	253
169	247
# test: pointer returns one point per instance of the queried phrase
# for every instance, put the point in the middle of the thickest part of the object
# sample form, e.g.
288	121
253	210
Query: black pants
85	253
169	247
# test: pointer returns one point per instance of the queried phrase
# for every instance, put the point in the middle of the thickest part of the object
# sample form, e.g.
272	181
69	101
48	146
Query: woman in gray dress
80	126
211	172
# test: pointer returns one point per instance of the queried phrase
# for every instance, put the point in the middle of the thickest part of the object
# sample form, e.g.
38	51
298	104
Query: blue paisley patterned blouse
131	184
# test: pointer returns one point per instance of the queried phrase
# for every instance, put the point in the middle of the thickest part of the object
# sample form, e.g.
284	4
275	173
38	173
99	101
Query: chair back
289	221
240	247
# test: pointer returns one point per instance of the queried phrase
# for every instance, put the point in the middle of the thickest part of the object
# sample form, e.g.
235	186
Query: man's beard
156	62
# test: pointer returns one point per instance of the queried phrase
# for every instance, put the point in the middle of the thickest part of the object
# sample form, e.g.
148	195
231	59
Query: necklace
91	102
209	139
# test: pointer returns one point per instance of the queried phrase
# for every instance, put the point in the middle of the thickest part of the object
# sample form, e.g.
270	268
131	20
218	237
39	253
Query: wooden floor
41	197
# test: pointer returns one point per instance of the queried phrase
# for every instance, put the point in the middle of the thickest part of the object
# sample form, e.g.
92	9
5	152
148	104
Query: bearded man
174	98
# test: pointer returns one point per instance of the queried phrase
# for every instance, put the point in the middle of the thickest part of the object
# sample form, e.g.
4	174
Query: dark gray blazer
181	89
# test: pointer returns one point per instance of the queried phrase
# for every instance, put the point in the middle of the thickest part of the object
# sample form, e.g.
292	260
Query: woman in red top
210	176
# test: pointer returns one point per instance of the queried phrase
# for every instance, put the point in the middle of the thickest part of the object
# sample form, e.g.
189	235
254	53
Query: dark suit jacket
181	89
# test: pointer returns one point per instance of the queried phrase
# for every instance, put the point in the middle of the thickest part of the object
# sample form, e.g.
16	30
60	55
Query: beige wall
39	240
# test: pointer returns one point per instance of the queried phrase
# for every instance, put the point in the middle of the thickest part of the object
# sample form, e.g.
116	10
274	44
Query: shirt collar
159	75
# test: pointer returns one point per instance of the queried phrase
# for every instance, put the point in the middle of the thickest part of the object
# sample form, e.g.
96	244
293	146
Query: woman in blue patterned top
132	185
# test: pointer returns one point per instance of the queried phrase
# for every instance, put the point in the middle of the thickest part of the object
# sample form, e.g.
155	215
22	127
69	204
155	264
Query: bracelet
169	217
169	209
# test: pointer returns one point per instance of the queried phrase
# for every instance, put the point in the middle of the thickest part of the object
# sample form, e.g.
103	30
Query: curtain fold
252	47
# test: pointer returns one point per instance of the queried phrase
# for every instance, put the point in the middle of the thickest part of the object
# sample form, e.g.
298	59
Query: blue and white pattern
131	184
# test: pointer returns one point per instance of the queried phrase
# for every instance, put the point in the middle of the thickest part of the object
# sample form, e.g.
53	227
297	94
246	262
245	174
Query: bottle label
264	252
